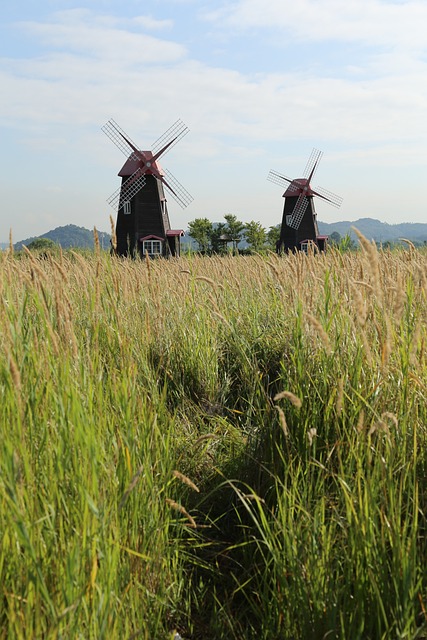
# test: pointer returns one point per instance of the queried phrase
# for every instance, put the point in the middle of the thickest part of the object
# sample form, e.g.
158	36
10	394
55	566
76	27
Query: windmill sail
143	224
299	222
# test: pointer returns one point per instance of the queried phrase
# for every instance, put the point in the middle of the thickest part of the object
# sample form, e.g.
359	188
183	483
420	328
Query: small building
156	246
319	244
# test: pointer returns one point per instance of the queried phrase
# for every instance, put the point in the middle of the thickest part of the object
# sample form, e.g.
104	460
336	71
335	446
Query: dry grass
115	373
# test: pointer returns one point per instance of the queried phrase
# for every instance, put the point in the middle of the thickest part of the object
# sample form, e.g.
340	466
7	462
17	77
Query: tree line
222	237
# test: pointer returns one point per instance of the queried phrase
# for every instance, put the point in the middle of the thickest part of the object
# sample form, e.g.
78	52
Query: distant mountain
70	237
378	231
372	230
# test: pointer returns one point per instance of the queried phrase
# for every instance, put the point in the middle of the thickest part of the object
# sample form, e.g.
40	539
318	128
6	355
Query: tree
255	235
273	235
234	229
200	230
41	244
335	237
218	245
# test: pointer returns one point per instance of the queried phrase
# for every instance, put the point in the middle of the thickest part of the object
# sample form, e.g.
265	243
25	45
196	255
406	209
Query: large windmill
299	223
143	225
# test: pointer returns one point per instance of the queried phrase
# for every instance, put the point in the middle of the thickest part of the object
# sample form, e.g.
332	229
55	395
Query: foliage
218	245
346	243
41	244
335	238
273	235
234	229
200	230
255	235
229	447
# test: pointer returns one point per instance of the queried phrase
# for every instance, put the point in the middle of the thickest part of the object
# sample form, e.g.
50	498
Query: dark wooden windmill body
299	226
143	225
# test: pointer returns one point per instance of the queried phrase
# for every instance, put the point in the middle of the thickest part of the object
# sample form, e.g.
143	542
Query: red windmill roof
297	186
132	164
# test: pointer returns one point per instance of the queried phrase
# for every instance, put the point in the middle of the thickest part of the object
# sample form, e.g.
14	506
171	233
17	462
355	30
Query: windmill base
318	244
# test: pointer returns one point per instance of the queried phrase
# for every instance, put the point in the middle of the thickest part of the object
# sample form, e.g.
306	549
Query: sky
258	83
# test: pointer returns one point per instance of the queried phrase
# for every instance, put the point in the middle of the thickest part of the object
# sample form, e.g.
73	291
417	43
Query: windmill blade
312	163
298	212
120	139
163	150
277	178
332	198
177	191
174	134
128	189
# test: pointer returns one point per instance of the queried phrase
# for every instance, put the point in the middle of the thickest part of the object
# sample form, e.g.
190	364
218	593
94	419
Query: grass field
230	448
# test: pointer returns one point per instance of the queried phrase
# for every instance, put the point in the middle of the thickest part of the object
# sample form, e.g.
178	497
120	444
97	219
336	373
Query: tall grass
229	447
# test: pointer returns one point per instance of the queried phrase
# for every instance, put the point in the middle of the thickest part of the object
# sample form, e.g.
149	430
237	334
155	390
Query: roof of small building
151	237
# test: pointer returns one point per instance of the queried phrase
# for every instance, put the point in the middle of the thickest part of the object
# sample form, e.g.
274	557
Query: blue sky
258	83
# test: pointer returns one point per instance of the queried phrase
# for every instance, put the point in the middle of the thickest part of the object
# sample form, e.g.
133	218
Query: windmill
143	225
299	223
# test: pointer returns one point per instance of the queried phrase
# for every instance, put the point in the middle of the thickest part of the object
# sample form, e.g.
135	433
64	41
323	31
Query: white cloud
371	22
148	22
92	67
103	38
73	88
109	70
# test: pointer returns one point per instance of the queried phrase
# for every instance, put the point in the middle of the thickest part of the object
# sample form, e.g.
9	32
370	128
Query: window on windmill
152	247
126	207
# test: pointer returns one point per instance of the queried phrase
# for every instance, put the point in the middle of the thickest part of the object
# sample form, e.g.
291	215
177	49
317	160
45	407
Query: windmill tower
143	225
299	222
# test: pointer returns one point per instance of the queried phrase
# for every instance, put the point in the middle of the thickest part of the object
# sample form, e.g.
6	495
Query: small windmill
143	225
299	223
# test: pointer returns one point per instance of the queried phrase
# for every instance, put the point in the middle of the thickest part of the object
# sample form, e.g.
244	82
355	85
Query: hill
377	230
70	237
371	228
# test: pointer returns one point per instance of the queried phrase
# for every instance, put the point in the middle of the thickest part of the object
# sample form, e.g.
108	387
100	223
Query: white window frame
152	247
126	207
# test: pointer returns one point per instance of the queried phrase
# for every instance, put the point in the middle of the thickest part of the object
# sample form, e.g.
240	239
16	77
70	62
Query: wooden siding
289	237
146	218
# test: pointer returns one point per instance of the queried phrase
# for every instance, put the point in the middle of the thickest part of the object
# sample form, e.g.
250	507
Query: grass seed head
293	399
282	420
185	480
113	234
178	507
340	396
